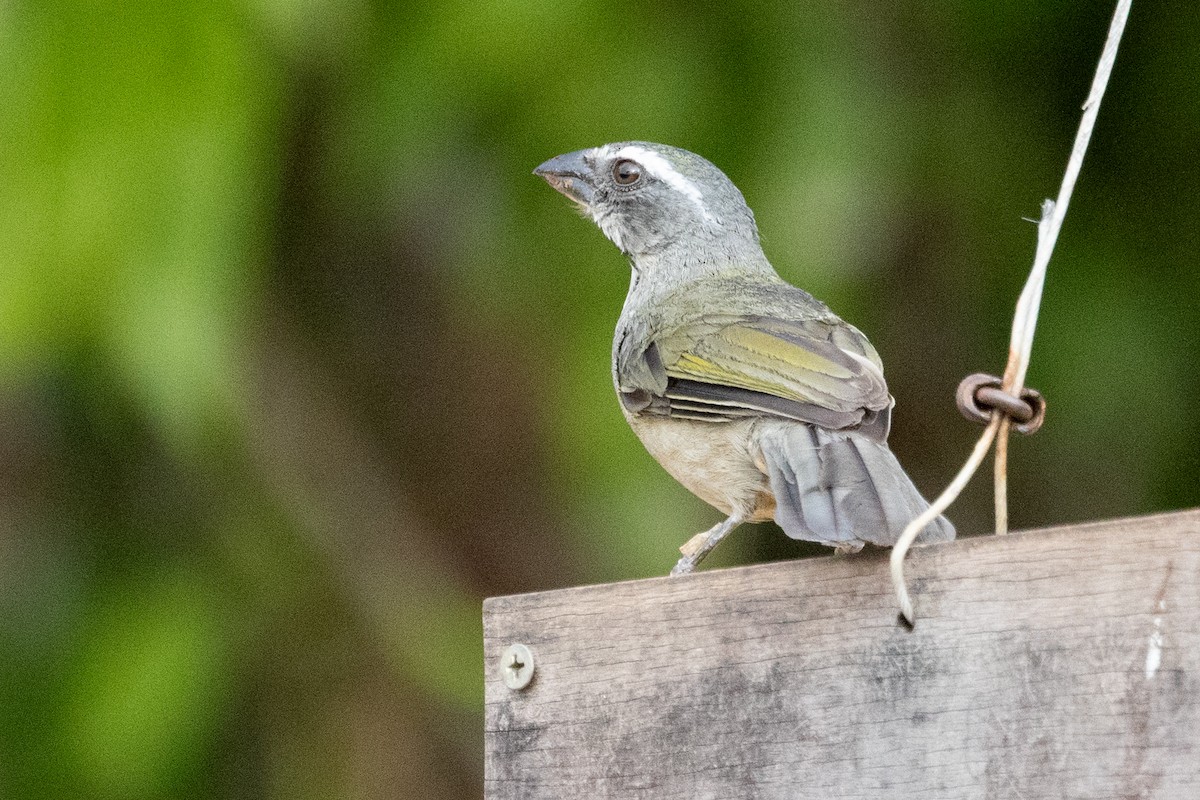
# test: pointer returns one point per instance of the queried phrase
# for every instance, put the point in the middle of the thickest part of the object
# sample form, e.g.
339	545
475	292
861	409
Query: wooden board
1062	663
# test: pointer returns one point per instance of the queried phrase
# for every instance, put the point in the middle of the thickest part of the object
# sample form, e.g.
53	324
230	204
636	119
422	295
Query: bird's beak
571	175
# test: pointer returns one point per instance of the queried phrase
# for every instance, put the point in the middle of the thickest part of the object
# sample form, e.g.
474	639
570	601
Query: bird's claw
684	566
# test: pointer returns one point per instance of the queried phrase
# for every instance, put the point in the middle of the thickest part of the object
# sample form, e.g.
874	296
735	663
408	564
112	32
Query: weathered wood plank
1050	664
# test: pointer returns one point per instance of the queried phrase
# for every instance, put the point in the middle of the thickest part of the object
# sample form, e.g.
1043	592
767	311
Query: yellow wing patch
746	357
693	366
786	352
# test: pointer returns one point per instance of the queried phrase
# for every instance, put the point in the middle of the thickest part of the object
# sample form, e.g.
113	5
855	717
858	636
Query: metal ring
1034	399
1015	407
968	406
979	394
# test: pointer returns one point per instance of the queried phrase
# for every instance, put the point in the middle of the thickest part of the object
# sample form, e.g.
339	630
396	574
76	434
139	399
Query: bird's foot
698	544
683	566
696	548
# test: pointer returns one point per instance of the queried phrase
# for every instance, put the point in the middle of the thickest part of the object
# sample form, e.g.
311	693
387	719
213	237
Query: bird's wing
724	367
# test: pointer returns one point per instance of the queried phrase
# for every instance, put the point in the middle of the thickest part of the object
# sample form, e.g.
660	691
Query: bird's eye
626	172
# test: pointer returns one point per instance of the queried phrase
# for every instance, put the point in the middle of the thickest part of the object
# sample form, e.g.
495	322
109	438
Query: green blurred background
298	362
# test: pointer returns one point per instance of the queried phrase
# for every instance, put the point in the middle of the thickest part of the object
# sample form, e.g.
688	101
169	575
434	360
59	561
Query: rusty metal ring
1015	407
979	394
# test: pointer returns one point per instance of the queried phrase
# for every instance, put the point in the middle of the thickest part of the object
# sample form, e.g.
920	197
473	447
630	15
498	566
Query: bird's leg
696	548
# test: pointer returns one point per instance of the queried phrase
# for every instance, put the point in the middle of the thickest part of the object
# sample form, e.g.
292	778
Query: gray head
655	200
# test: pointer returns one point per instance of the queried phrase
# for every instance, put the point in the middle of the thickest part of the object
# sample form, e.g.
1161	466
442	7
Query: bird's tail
841	488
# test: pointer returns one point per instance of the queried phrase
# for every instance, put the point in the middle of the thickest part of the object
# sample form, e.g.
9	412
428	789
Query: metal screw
516	666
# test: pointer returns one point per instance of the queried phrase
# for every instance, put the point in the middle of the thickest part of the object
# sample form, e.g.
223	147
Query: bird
749	391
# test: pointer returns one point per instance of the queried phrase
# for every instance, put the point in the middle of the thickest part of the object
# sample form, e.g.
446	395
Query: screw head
516	666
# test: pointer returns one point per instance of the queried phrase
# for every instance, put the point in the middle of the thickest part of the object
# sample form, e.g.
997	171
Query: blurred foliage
298	362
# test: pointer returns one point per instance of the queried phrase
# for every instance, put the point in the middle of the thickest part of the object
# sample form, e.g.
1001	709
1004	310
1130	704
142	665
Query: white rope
1025	317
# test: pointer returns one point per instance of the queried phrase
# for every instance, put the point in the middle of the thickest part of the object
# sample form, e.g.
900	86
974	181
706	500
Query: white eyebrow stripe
660	168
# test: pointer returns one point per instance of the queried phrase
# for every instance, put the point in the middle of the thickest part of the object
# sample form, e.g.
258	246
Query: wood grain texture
1062	663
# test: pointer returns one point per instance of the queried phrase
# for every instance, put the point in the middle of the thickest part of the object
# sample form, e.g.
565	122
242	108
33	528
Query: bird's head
653	199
